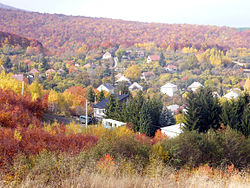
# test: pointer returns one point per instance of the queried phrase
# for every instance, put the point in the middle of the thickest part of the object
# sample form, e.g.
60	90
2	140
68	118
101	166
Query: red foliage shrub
19	111
35	140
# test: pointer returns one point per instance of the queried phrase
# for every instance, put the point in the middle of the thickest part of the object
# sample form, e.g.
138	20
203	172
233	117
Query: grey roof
108	86
103	103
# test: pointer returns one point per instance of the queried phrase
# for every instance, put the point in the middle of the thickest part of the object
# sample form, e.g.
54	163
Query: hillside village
97	102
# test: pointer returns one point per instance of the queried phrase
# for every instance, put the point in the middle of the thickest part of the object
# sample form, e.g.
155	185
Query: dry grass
173	179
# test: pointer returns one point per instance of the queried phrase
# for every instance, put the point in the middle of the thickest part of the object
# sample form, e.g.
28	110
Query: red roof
171	67
18	77
154	57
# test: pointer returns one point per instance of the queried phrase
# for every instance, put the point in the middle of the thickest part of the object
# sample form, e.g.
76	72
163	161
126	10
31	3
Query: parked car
82	120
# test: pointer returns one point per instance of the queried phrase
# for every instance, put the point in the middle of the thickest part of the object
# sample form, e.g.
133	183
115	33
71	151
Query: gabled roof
148	74
135	85
231	95
154	57
171	67
108	86
107	54
169	85
195	85
33	71
173	130
18	77
173	107
103	103
123	79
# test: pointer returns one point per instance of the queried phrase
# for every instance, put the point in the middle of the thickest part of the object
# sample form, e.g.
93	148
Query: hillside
65	34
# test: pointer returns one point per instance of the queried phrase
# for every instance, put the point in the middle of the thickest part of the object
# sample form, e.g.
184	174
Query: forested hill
63	34
16	40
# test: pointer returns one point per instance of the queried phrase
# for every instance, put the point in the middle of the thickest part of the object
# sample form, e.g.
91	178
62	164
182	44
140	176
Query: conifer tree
101	96
145	121
236	114
162	61
203	111
110	108
166	118
91	95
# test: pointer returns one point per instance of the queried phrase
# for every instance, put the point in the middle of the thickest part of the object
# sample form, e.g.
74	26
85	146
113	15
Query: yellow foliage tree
133	72
35	90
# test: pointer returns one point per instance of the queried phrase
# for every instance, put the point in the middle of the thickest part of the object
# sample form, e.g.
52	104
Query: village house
123	79
152	58
107	55
49	71
33	72
106	87
147	75
169	89
139	53
173	108
194	86
135	87
171	68
18	77
99	108
173	130
234	93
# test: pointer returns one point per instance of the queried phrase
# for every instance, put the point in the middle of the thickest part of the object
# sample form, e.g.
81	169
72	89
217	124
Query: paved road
60	119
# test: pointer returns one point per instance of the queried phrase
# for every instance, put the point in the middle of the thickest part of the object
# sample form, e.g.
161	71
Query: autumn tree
133	72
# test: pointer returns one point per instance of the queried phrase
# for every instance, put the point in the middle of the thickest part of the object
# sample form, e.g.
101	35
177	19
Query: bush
221	148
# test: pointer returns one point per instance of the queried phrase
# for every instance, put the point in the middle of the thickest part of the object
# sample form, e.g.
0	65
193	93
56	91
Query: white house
135	86
107	55
173	108
123	79
195	85
169	89
110	123
231	95
106	87
173	130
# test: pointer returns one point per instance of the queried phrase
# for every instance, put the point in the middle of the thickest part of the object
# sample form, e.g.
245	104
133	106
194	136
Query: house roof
33	71
171	67
154	57
108	86
148	74
195	85
18	77
173	107
173	130
107	54
119	75
135	85
103	103
169	85
122	79
50	71
231	95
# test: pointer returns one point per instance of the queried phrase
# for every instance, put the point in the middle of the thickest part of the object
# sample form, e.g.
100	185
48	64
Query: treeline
66	34
204	111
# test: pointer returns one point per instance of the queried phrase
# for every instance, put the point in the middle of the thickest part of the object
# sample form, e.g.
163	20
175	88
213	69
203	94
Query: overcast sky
234	13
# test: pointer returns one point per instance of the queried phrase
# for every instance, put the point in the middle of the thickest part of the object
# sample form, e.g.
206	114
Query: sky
233	13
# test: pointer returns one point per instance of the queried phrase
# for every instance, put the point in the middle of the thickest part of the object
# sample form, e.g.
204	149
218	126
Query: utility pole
87	118
22	87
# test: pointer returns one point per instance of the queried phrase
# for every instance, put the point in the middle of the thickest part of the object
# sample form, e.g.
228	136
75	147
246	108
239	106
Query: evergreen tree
101	96
145	120
155	107
162	61
91	95
7	63
236	114
203	111
166	118
133	111
110	108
